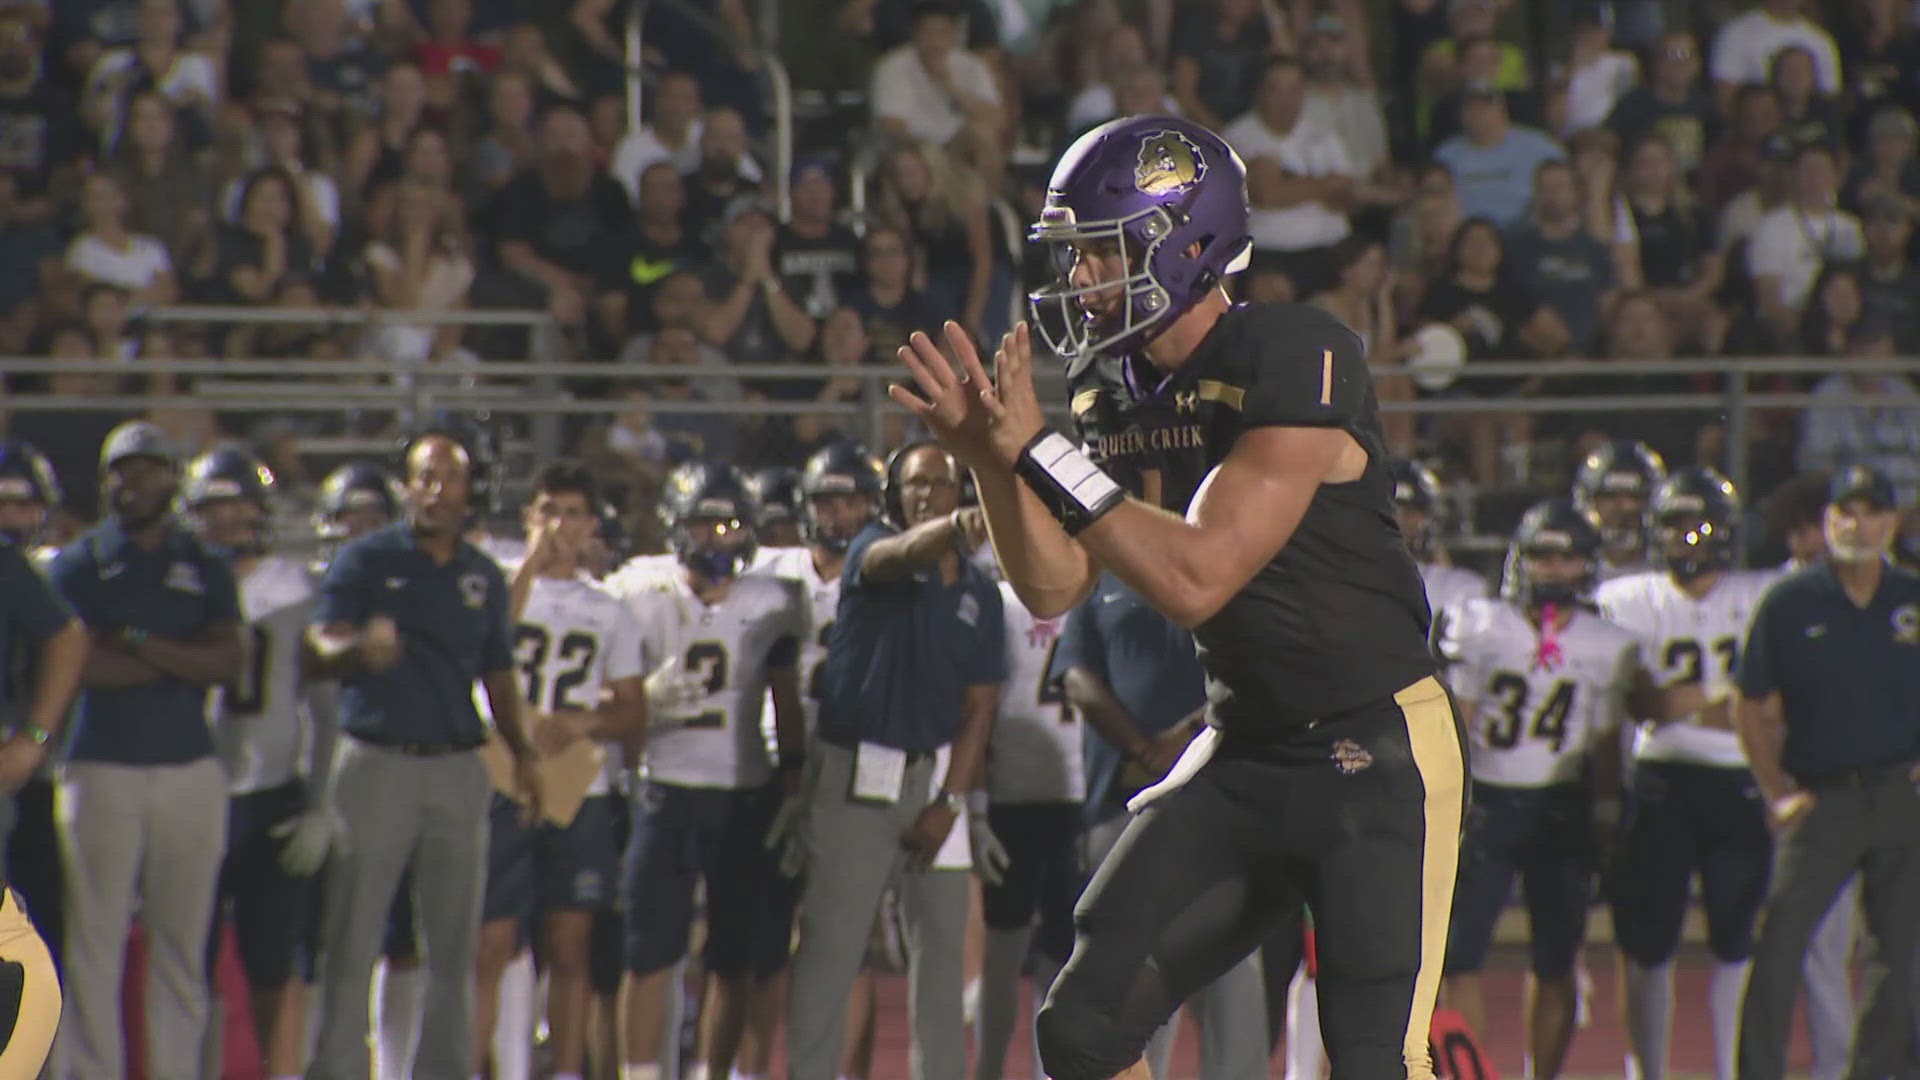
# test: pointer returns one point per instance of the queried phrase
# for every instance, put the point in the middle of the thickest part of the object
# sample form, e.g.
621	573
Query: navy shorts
683	836
1544	836
1683	819
1043	874
271	909
541	867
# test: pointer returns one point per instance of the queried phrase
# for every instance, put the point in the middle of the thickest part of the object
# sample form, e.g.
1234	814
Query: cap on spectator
745	204
1863	482
1886	207
1891	121
1328	24
135	438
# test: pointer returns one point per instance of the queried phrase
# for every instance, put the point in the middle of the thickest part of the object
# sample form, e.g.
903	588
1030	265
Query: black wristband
1072	488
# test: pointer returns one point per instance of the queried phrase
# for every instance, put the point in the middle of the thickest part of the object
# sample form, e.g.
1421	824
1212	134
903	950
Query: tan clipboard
564	777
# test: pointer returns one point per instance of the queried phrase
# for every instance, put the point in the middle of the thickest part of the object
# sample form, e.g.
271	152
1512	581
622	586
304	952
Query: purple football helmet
1173	197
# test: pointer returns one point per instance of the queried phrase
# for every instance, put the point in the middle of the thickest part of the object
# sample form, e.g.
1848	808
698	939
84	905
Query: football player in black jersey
1262	519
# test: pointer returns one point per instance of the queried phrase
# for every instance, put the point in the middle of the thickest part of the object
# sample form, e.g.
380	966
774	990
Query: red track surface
1598	1050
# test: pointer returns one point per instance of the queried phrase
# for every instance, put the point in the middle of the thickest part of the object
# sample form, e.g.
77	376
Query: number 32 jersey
573	639
1684	640
732	645
1536	707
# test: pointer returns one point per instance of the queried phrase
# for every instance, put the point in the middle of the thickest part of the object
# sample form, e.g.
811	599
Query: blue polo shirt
453	626
30	613
1848	677
177	590
902	651
1145	658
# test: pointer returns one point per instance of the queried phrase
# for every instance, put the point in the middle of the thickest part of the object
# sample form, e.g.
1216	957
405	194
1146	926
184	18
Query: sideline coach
409	617
1829	715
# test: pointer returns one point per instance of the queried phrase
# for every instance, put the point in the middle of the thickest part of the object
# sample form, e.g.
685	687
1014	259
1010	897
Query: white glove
673	691
990	859
307	837
787	839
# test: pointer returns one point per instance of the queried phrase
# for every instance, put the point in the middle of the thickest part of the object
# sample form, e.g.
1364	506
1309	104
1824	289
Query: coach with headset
410	617
909	690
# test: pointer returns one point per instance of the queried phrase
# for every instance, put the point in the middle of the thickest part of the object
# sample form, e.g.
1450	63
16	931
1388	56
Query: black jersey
1339	617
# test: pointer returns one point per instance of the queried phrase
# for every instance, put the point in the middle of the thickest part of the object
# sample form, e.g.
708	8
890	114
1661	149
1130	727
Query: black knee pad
1076	1043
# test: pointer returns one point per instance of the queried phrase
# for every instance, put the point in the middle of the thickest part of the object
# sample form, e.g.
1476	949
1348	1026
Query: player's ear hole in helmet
1417	505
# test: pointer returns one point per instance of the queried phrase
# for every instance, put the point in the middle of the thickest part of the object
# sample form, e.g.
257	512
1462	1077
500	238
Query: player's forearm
323	734
63	659
1047	569
623	714
520	589
789	716
898	556
1763	735
503	696
966	770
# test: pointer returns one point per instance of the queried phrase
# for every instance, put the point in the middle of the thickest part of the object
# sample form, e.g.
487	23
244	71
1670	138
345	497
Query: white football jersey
1450	586
1683	639
643	571
1033	755
822	598
572	640
718	744
1607	571
1535	711
260	720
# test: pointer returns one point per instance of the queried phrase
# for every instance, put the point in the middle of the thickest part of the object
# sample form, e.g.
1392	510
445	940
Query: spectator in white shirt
1598	75
1299	178
1122	54
1793	242
107	252
674	135
934	91
1744	49
1341	97
156	58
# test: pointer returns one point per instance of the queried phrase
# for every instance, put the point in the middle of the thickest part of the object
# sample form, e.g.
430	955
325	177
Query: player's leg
180	869
1097	842
734	865
606	964
574	872
767	998
1008	910
1190	890
449	888
1814	860
1556	869
271	909
1649	885
661	871
396	989
1735	863
852	850
1828	975
506	903
1391	793
1496	823
1059	888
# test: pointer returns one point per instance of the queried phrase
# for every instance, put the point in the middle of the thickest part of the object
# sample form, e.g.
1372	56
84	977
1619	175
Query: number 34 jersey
1537	704
731	646
574	639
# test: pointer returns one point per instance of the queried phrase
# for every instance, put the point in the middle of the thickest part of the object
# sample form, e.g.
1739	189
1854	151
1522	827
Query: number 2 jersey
573	640
1033	755
1338	618
1684	640
1537	703
262	724
733	645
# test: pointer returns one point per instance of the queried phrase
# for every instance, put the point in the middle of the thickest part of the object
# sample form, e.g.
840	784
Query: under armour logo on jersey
1186	401
1351	757
184	577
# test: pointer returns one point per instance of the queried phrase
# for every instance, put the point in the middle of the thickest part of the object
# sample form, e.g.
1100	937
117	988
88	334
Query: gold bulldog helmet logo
1169	163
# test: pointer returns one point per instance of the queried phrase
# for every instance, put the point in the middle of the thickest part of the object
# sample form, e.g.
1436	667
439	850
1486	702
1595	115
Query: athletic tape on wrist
1072	488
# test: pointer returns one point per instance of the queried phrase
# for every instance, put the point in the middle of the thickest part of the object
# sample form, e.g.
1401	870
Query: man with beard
410	617
725	171
144	796
559	223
